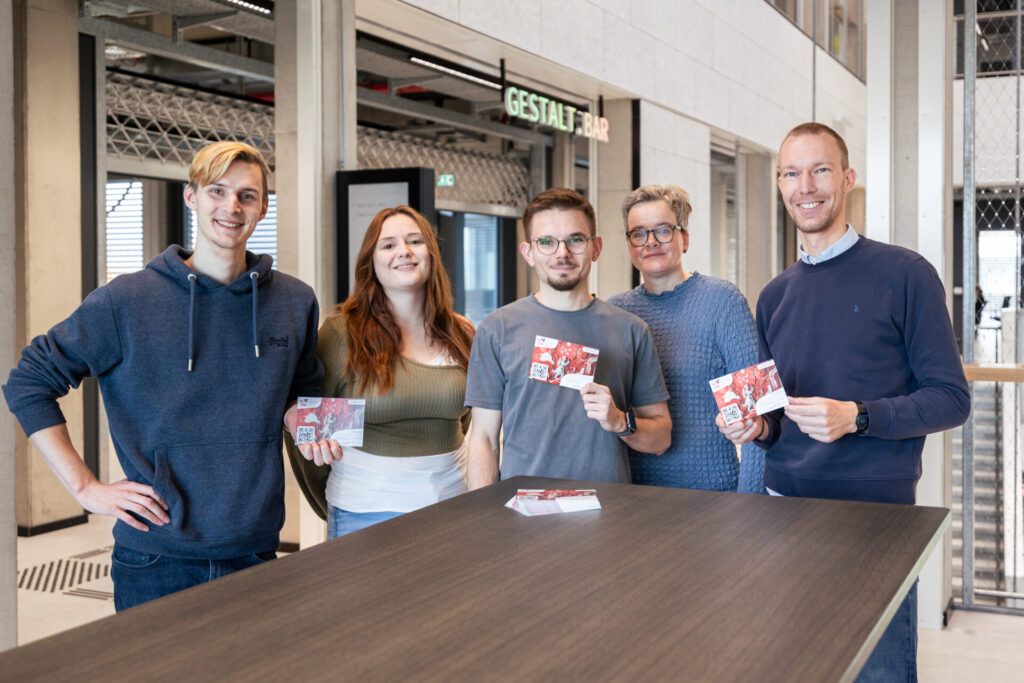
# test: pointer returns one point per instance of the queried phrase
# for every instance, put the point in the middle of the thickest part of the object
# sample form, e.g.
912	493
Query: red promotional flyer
748	392
532	502
339	418
563	363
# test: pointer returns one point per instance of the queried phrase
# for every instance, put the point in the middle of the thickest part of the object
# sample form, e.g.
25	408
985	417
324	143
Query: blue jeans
140	577
341	522
895	655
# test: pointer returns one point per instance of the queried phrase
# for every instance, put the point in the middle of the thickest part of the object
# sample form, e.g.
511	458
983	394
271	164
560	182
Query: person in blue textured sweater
863	343
702	329
198	356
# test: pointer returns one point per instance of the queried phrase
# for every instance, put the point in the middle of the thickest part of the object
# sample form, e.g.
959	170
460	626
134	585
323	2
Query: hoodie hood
171	264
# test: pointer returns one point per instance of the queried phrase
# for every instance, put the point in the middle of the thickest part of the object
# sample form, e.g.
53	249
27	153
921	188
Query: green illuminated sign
446	180
536	108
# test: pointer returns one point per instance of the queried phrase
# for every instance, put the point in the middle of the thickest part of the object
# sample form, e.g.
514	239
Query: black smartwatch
862	418
630	424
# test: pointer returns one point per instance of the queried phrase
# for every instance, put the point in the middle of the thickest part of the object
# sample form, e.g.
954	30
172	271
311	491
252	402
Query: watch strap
862	420
630	424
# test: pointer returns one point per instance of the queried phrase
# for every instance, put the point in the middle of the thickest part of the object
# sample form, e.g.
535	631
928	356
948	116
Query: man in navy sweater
863	342
198	356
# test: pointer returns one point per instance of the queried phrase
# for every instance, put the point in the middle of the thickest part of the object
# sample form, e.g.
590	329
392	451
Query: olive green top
423	413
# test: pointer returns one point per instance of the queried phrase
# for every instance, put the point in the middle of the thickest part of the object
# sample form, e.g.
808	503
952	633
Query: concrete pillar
879	65
914	83
47	190
614	182
8	338
758	219
315	132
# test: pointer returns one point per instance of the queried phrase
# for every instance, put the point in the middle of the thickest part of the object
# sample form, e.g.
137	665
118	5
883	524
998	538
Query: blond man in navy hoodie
198	356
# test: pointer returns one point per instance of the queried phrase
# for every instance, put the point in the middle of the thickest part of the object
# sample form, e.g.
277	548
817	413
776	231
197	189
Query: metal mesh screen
149	119
153	120
479	178
989	553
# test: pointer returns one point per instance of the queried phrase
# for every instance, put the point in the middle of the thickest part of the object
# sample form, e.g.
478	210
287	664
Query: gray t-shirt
547	431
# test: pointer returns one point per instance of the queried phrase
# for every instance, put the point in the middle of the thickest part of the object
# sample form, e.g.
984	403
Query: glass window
263	239
836	25
124	248
480	256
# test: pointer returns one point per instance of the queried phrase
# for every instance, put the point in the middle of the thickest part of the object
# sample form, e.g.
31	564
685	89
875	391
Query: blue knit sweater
702	329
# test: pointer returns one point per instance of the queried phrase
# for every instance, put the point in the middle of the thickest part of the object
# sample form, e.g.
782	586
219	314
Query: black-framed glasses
663	233
576	244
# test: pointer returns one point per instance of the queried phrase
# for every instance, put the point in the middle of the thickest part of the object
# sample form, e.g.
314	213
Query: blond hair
212	162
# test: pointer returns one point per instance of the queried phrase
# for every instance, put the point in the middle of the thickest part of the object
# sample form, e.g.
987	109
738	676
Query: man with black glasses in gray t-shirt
516	378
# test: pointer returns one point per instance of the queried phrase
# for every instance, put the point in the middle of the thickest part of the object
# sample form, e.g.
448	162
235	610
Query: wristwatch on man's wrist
862	418
630	424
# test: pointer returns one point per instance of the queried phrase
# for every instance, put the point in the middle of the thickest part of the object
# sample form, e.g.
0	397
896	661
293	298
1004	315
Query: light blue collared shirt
842	244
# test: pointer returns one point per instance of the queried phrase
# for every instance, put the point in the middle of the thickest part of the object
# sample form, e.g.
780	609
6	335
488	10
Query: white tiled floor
976	646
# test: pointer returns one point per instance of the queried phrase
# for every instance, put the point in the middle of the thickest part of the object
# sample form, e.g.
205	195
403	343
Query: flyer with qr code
339	418
748	392
532	502
562	363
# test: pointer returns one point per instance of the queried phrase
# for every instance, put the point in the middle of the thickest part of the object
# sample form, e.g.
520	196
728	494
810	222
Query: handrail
994	372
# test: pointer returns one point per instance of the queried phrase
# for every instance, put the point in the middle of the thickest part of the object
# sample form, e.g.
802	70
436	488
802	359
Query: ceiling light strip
457	74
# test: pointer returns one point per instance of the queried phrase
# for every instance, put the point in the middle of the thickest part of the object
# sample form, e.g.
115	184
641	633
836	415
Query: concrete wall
8	342
741	67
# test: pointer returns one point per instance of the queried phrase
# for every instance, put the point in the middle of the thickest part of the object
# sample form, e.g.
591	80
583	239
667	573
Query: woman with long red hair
398	343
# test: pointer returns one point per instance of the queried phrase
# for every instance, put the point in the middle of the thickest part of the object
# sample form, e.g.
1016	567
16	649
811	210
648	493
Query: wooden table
661	584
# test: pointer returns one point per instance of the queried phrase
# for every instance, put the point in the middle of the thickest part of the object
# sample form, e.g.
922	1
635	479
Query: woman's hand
322	452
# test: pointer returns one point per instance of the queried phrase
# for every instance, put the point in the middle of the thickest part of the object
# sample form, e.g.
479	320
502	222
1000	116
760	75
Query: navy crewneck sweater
870	325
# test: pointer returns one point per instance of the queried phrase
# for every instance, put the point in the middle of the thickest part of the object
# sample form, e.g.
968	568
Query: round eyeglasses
576	244
663	234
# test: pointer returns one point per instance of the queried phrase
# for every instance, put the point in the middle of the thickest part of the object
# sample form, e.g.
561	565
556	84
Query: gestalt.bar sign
548	112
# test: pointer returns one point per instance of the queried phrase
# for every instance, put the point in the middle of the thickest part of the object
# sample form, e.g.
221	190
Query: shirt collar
848	239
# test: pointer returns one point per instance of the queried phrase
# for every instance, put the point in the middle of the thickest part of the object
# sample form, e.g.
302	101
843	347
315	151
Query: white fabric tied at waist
363	482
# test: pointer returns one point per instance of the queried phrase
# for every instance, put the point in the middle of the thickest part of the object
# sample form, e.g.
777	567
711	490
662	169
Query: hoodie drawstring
191	318
255	329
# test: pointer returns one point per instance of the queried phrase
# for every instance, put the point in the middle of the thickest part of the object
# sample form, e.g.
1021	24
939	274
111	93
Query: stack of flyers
341	419
563	363
531	502
748	392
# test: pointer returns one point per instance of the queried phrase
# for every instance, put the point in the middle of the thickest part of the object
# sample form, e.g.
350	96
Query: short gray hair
673	195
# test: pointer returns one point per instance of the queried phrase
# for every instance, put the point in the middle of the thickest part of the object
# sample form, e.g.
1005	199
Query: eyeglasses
662	233
576	244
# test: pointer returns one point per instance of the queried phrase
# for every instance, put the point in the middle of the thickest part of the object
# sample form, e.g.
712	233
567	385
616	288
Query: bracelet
760	433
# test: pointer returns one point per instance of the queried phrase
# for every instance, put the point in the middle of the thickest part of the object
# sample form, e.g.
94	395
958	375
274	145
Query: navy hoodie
193	410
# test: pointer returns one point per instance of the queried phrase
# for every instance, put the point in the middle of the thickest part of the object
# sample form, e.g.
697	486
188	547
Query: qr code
731	413
539	371
305	435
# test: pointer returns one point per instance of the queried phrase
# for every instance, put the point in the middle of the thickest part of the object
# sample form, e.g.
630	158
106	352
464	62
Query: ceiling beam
184	51
404	105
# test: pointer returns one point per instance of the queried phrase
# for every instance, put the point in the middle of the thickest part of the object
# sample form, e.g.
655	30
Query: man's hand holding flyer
341	419
748	392
563	363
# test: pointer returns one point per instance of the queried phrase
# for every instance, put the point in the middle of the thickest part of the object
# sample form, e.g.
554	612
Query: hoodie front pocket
228	490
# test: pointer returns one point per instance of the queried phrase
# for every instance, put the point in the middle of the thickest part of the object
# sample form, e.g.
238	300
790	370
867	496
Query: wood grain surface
661	584
994	373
